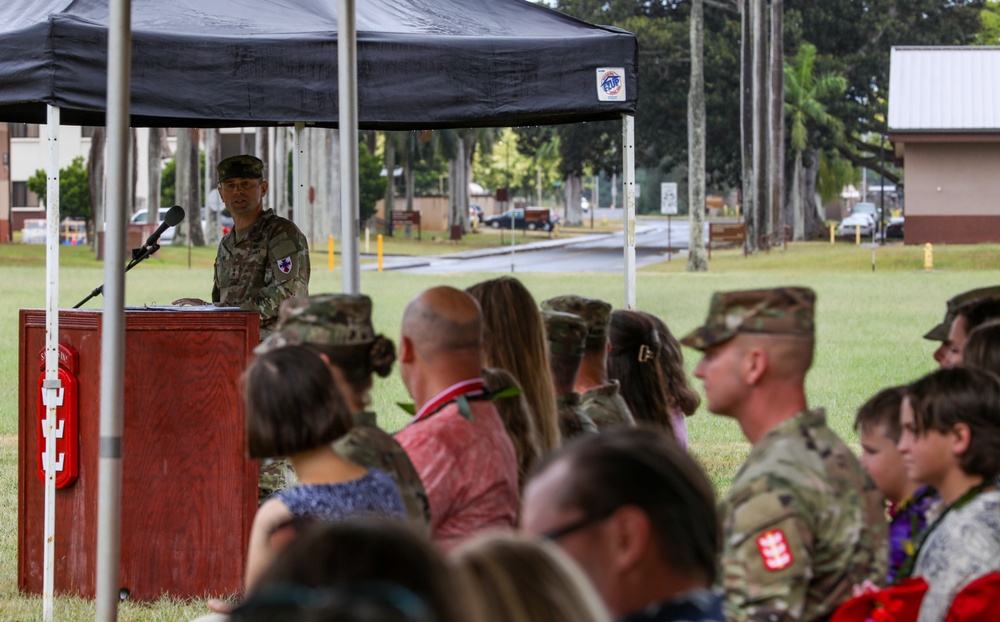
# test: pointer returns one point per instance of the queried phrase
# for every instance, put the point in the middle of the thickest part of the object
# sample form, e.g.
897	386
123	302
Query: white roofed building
944	124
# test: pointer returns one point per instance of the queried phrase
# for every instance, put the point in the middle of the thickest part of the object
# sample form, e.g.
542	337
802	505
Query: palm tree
804	110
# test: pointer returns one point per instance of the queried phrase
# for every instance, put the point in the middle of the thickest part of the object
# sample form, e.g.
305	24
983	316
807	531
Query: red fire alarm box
67	430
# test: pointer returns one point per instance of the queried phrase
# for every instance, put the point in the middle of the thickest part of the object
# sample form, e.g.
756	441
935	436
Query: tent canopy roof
421	63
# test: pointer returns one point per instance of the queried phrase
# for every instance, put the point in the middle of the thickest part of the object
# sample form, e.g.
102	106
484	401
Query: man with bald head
456	440
802	522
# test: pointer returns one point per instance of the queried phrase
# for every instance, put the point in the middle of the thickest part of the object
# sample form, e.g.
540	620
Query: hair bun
382	354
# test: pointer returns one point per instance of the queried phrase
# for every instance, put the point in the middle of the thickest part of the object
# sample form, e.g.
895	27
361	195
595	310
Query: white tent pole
347	85
109	498
52	389
299	203
628	169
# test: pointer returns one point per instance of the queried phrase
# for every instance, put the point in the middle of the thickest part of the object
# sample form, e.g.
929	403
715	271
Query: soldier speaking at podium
264	259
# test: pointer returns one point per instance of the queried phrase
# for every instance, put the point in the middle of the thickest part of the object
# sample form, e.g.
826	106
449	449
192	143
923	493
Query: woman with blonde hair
513	578
514	339
509	399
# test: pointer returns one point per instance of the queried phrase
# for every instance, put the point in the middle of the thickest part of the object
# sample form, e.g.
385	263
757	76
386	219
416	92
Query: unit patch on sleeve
773	547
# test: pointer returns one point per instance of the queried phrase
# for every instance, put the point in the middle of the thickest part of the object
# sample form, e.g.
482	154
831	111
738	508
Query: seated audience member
339	327
567	334
681	396
982	348
638	515
877	424
967	318
632	361
456	440
514	339
940	331
515	412
513	578
600	397
293	409
354	571
951	441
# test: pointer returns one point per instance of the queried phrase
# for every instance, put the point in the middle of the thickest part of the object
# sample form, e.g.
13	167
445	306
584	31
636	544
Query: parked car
542	222
849	225
476	211
139	218
895	227
35	231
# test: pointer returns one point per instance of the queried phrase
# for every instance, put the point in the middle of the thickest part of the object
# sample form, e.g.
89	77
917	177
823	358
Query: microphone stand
138	255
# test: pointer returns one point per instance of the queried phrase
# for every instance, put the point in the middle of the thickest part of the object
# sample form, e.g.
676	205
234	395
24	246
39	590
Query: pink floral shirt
469	468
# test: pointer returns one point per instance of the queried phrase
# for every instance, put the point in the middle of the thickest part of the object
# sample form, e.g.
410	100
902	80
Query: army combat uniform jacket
604	405
572	420
802	525
267	266
369	446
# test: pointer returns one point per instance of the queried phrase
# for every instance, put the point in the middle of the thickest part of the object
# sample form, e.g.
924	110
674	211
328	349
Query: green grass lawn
869	327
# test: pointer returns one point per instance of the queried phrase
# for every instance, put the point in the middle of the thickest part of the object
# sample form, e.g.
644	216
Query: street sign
668	198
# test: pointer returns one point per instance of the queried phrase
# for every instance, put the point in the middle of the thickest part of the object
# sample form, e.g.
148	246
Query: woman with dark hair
517	419
982	348
514	339
681	397
634	363
294	410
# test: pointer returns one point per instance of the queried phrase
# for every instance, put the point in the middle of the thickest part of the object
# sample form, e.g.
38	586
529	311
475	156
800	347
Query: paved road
596	253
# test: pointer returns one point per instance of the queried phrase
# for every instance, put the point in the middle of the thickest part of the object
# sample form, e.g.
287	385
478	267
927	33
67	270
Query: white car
849	225
139	218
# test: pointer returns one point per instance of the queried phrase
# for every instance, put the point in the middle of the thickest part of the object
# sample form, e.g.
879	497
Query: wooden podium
189	493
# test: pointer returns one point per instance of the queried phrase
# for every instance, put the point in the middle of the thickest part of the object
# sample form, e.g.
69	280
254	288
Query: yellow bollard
857	234
928	257
379	252
555	230
330	254
832	229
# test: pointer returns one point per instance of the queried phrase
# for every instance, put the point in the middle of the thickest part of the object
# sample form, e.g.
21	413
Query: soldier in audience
967	317
940	332
567	334
803	523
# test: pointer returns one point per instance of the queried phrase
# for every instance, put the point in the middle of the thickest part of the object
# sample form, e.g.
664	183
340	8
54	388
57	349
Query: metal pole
52	387
628	171
881	195
113	323
347	83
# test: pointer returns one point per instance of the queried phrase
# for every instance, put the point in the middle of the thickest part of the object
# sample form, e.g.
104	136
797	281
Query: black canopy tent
422	64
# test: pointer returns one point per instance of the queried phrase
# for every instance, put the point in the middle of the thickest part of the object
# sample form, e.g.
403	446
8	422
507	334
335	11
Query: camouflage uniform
940	332
368	446
802	522
259	268
601	404
572	420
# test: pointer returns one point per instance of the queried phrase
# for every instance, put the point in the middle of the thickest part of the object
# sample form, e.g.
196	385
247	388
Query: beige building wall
952	192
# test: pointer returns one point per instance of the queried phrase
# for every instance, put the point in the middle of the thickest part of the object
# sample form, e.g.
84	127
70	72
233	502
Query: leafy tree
806	115
990	18
74	189
168	181
371	184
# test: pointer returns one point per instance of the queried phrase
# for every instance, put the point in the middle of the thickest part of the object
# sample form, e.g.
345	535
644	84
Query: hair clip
645	353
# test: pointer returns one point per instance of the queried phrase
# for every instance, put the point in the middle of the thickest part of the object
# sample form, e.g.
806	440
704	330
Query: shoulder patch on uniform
774	550
285	265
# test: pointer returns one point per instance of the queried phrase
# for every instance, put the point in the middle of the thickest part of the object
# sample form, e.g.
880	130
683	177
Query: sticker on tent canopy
611	84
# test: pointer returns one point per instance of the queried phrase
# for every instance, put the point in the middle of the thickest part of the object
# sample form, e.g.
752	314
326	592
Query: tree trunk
194	192
815	220
389	202
776	126
697	260
154	149
279	194
574	190
181	179
95	176
797	204
213	202
746	126
760	112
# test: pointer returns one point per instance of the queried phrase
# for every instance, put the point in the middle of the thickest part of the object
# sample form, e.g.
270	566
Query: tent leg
52	387
628	169
113	320
347	72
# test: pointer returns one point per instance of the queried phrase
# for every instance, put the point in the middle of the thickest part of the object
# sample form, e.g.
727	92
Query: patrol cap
940	332
596	313
779	311
241	166
327	319
567	332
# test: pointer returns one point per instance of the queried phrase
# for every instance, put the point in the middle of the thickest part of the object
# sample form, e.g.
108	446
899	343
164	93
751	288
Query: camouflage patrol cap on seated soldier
240	166
567	333
596	313
940	332
779	311
328	319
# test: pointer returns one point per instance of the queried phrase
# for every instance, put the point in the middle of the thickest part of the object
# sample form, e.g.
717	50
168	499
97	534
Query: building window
24	130
22	196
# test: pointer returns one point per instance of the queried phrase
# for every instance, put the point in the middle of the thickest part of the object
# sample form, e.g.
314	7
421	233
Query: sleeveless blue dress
375	493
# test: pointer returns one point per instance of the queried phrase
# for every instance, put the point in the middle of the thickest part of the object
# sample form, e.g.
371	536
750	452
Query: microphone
173	216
